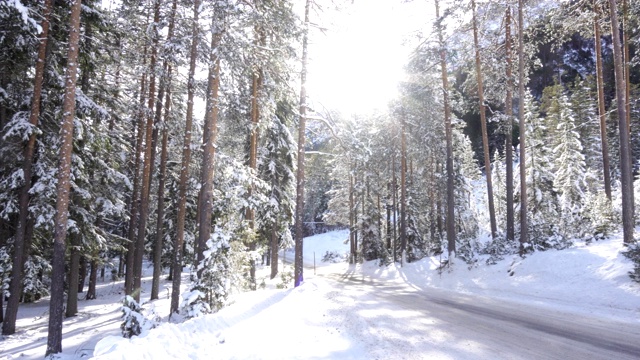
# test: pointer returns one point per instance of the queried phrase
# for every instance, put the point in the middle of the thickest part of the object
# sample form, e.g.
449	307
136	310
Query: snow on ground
585	278
316	320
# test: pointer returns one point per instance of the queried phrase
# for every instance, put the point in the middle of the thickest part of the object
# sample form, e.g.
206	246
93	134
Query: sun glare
356	64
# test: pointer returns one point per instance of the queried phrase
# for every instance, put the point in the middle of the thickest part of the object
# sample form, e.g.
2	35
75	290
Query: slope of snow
585	278
318	320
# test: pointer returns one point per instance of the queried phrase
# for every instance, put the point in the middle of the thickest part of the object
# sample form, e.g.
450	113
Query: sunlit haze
355	65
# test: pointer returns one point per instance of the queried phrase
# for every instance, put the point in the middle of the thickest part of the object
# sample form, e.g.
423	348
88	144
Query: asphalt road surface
397	320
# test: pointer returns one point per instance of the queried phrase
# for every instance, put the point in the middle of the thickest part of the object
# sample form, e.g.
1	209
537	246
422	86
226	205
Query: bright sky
356	65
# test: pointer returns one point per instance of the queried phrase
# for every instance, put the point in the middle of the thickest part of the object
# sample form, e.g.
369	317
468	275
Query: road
395	319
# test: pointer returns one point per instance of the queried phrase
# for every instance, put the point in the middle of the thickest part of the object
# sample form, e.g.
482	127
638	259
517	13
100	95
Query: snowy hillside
342	312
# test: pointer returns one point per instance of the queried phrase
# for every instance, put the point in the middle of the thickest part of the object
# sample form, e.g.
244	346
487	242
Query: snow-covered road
573	304
397	320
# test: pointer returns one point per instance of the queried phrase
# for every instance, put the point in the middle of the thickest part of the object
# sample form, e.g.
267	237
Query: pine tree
298	270
483	123
570	169
601	106
544	209
625	161
451	236
524	226
508	103
54	340
186	160
277	158
19	250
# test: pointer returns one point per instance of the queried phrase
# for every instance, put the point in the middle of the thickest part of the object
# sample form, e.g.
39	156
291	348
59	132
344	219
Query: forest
180	134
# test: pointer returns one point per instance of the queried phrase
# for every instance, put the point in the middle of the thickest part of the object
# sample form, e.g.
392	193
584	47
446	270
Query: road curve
395	319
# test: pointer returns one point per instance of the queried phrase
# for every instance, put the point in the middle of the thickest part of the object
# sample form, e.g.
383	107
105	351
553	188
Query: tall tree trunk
395	205
135	194
379	255
298	271
4	81
121	262
93	279
509	140
524	234
157	251
54	339
208	155
250	215
627	74
601	109
352	246
2	305
186	160
82	275
74	269
627	57
20	252
135	197
146	169
363	241
274	252
403	193
625	161
451	234
439	212
389	207
483	124
158	125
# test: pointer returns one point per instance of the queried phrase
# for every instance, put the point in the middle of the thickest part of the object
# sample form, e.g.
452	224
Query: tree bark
135	195
627	74
93	279
524	234
298	263
626	179
483	124
274	252
389	207
403	193
601	107
54	339
256	85
627	57
146	169
352	246
184	168
74	270
157	252
20	252
451	235
395	205
82	275
208	155
509	131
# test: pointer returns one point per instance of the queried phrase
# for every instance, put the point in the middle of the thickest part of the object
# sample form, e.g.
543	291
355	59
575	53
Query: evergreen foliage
353	163
135	320
633	254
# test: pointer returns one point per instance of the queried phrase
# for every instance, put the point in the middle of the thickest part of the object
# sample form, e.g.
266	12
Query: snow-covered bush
498	248
332	257
134	321
212	288
633	253
194	304
601	216
286	278
5	270
36	270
